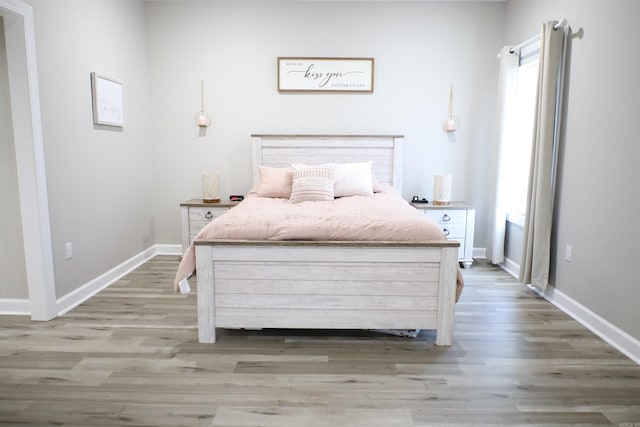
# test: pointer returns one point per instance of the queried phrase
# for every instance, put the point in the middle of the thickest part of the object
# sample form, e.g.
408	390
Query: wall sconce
451	123
202	119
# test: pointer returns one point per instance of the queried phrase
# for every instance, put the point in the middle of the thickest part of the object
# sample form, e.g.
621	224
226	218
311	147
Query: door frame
29	147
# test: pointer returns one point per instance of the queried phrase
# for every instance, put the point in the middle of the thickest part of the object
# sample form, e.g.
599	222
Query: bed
293	282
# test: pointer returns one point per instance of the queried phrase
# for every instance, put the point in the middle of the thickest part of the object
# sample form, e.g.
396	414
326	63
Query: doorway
12	264
26	132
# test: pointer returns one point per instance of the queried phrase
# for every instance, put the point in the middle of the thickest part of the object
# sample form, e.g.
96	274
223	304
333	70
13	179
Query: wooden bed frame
327	284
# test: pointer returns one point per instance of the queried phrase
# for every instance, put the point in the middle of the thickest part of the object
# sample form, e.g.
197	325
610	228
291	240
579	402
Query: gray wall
99	178
420	48
513	240
12	265
598	198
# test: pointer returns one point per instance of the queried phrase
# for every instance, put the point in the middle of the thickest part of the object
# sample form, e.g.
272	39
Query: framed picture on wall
325	74
108	102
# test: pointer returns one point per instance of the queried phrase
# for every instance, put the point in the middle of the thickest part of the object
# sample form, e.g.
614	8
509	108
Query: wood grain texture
281	150
130	357
258	272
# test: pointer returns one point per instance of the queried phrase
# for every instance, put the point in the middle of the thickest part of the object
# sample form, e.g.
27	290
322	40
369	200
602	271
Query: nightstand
457	220
196	214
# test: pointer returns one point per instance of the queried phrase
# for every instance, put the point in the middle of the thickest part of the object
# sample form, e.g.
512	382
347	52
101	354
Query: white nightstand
196	214
457	220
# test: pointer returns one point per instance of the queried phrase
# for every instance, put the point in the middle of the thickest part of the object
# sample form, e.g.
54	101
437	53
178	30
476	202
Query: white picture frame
305	74
108	100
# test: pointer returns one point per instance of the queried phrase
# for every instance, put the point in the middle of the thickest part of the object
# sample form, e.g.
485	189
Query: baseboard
10	306
168	249
86	291
610	333
14	306
511	267
479	253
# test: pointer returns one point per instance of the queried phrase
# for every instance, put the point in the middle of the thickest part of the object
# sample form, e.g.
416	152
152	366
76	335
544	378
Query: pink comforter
382	217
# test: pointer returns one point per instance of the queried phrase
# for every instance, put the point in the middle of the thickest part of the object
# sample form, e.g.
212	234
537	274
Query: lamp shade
441	189
210	187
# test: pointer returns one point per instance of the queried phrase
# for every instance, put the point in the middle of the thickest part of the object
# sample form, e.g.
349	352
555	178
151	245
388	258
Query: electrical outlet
568	253
68	251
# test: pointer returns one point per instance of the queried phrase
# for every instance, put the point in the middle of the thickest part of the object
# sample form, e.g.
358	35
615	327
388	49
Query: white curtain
536	255
506	101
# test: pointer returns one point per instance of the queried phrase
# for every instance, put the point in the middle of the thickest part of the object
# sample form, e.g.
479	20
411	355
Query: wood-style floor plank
129	357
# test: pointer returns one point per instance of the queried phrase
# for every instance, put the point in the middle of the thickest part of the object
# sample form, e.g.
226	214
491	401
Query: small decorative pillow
353	179
312	182
274	182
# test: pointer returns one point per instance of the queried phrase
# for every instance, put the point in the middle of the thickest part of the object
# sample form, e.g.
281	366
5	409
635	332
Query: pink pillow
274	182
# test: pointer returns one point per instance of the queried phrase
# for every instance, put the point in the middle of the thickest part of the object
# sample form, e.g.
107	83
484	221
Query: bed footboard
326	285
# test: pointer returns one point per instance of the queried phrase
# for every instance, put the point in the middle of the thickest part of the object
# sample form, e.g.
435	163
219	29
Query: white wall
98	178
419	50
599	201
12	263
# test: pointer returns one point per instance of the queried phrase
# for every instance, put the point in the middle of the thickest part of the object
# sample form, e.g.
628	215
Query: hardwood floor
130	357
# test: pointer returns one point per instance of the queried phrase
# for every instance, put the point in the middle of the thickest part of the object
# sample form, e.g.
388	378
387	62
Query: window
520	121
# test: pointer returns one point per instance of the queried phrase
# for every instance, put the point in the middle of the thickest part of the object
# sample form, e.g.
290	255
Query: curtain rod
527	42
562	23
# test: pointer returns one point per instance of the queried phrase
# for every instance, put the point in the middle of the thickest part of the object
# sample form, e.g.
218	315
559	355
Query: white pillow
353	179
312	182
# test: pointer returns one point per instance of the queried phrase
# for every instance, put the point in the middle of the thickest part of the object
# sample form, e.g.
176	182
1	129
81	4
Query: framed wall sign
325	74
108	103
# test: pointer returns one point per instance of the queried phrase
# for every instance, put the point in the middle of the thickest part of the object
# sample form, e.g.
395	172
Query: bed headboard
281	150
